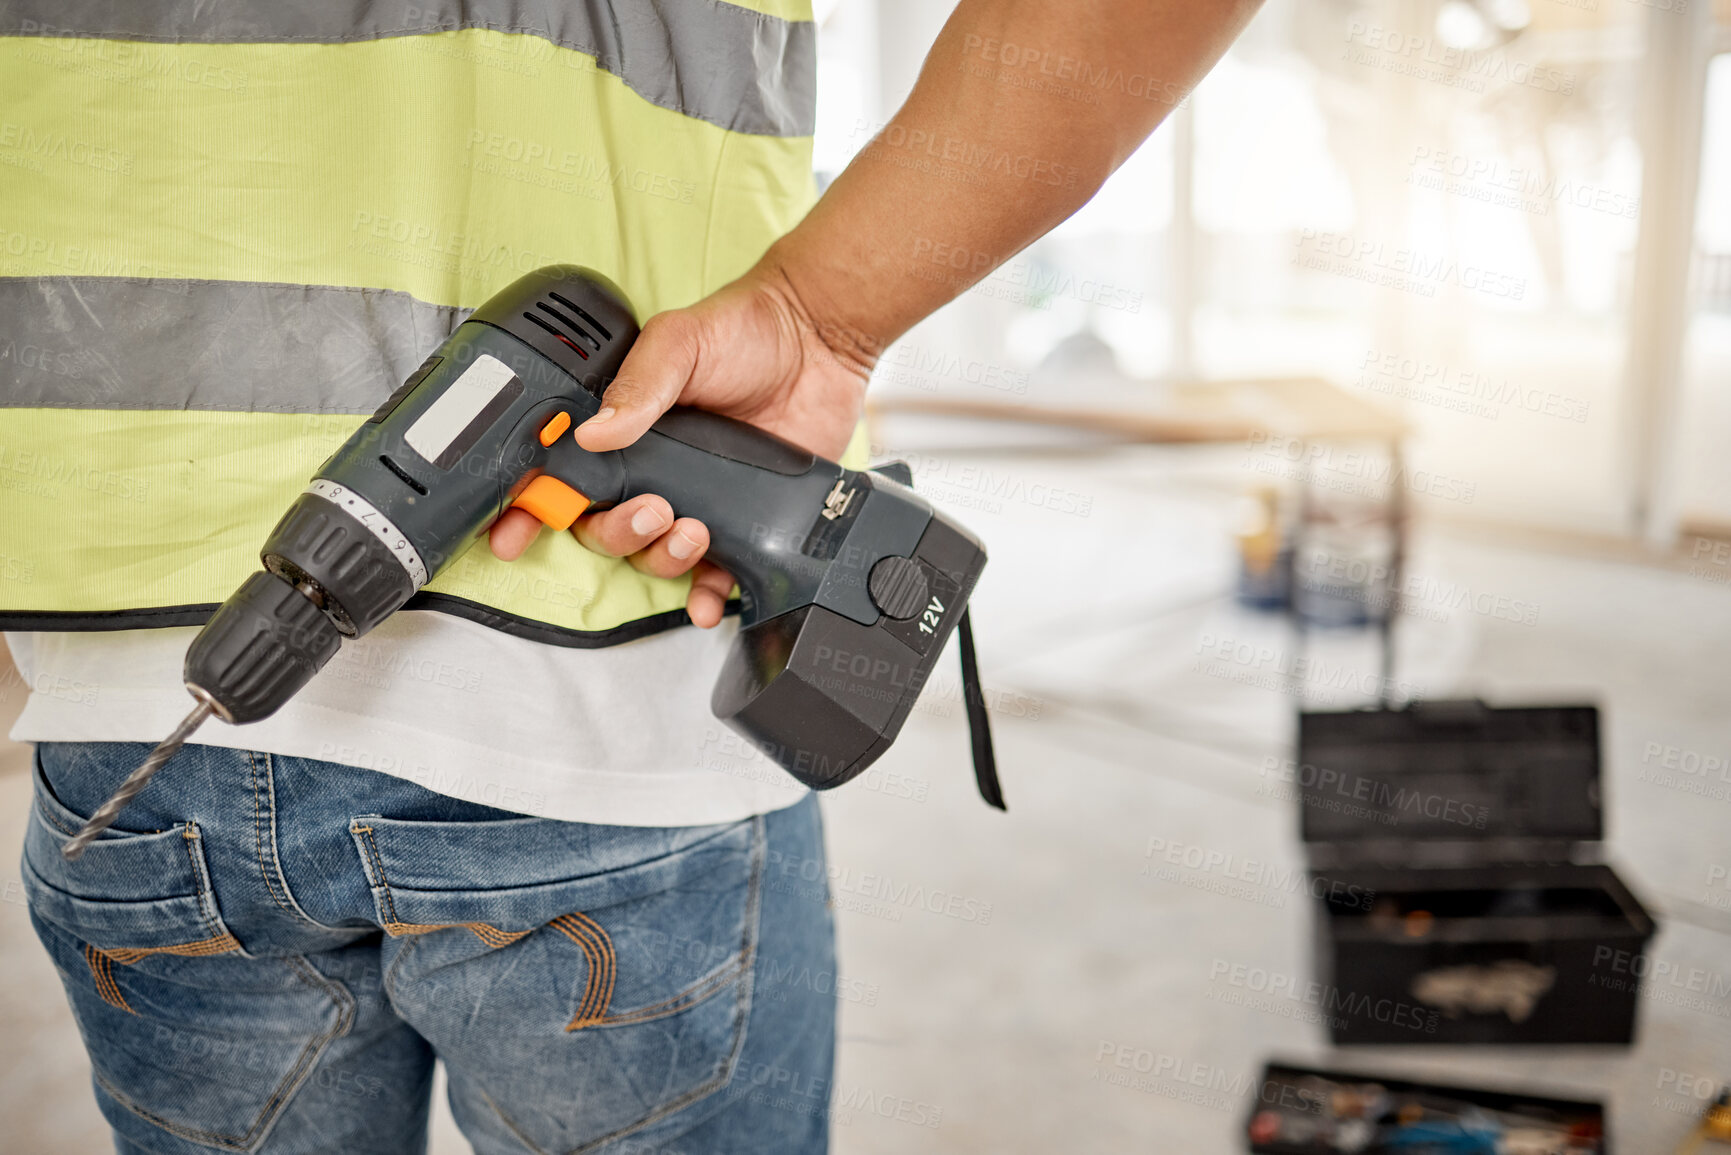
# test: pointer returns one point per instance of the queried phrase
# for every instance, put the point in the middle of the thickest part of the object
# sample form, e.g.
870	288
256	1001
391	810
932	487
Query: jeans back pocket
613	961
185	1031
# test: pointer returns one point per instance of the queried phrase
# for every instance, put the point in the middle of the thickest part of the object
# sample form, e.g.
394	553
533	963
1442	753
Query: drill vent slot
569	343
581	312
403	474
565	319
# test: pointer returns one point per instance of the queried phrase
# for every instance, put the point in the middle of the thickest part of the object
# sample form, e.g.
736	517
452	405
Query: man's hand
749	350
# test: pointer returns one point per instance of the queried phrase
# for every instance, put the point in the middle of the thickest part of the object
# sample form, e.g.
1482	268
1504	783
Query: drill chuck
259	648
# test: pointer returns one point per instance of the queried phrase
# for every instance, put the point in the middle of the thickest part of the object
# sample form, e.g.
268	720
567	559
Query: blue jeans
268	953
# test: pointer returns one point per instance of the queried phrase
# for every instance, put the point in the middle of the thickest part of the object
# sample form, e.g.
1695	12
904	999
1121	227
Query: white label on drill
368	515
464	400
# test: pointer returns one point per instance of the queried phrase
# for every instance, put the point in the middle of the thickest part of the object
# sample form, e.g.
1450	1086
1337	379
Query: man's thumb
655	373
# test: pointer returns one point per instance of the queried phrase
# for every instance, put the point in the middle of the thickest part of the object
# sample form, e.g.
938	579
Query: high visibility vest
228	231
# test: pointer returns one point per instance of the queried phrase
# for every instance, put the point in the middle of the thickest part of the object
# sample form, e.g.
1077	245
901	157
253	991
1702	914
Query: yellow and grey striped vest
227	231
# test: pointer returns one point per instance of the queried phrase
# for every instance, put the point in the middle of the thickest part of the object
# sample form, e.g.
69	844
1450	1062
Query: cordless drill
850	582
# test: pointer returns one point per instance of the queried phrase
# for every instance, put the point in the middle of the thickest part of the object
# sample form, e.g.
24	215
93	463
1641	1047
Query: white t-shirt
619	736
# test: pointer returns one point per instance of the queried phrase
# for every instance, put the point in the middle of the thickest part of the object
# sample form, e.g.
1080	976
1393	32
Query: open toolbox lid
1510	782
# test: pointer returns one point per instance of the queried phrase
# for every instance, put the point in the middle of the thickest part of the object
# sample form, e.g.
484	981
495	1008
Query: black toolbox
1304	1111
1456	853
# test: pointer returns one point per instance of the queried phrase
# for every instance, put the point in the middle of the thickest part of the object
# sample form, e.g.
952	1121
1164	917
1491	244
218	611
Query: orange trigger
556	504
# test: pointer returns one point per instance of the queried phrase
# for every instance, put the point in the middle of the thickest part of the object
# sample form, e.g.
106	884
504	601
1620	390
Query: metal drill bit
136	781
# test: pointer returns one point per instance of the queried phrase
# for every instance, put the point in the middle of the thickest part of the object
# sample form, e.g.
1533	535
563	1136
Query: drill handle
763	498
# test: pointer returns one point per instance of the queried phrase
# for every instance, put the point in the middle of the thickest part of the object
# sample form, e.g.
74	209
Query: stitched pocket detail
488	934
597	948
102	962
216	944
102	971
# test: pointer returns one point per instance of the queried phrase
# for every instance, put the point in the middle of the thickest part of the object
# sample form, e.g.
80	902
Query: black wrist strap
979	727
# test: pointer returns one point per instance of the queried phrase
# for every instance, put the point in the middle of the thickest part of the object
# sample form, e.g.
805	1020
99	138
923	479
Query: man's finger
675	551
710	585
627	528
654	374
513	533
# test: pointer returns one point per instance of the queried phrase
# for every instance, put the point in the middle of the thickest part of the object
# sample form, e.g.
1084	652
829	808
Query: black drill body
850	582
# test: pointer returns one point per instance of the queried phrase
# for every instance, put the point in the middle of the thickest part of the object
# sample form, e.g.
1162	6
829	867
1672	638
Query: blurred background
1395	367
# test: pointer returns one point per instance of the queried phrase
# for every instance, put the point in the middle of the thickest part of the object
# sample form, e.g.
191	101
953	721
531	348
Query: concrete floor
1118	724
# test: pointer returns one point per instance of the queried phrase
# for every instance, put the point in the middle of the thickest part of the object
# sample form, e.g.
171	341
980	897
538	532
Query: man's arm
998	143
1021	112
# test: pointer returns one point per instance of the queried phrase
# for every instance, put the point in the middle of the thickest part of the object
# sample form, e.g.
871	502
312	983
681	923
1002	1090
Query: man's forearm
1023	109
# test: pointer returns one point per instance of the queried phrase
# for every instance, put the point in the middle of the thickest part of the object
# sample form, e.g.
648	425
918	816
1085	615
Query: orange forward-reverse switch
556	504
550	432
